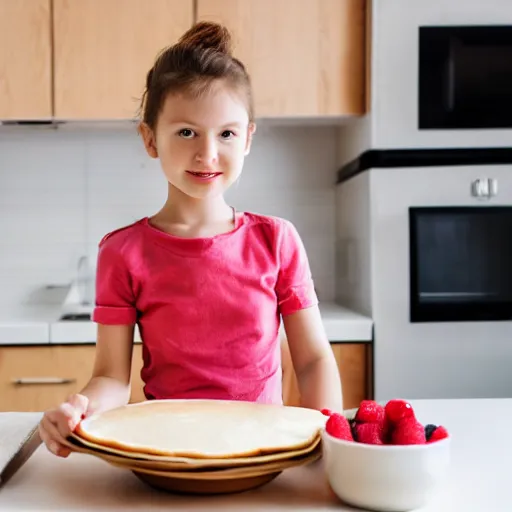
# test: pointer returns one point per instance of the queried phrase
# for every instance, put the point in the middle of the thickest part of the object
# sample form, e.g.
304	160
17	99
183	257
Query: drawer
38	378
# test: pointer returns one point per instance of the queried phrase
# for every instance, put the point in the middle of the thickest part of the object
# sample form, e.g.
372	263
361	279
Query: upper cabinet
305	57
88	59
25	59
103	50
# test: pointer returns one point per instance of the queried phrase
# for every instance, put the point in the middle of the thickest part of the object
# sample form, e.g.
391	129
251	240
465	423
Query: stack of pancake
202	446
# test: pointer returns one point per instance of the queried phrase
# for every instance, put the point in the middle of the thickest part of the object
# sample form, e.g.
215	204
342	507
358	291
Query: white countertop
478	480
39	324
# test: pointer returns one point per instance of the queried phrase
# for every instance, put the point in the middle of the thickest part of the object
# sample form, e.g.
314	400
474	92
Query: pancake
79	444
203	428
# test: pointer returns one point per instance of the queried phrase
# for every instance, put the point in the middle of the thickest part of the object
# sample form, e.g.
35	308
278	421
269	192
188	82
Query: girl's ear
251	129
148	137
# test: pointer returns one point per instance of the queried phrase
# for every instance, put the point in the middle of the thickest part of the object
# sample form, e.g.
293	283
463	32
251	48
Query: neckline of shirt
195	244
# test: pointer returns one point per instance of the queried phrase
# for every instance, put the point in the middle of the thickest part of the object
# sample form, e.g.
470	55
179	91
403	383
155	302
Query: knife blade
24	452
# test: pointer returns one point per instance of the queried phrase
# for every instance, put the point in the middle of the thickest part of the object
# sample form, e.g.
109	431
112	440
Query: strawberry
438	434
397	410
370	412
370	433
338	426
408	430
326	412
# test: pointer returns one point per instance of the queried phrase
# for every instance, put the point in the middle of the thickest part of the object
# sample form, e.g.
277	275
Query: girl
206	284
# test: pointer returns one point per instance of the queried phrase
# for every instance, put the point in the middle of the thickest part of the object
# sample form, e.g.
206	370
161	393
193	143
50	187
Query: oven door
460	263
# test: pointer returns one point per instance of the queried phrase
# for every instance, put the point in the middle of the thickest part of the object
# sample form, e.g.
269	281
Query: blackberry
429	430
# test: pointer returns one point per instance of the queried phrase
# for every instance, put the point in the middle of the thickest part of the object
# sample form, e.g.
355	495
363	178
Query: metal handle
484	188
27	381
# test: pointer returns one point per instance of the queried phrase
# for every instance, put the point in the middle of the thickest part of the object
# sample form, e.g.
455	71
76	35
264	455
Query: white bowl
385	478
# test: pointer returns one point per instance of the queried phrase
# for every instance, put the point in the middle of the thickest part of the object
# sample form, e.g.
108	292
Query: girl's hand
57	424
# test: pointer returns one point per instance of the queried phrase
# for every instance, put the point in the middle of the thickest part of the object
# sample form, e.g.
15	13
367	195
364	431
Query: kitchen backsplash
62	189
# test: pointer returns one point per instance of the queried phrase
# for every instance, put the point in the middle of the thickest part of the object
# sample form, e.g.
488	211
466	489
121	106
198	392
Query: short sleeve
295	289
115	301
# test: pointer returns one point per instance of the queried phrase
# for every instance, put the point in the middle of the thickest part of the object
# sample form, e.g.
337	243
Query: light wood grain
353	364
104	49
305	57
75	363
25	59
62	362
37	363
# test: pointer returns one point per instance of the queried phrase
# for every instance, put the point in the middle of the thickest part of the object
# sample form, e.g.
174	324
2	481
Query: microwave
465	77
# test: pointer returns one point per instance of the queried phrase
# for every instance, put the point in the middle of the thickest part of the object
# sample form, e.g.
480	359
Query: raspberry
326	412
438	434
370	412
408	431
397	410
338	426
370	433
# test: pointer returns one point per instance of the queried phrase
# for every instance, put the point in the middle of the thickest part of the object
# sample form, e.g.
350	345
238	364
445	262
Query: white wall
354	138
354	244
395	70
62	189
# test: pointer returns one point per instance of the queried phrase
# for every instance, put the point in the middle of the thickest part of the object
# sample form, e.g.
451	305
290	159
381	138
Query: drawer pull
27	381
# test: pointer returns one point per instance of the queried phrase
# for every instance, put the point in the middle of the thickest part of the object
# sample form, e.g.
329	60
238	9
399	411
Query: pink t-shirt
208	309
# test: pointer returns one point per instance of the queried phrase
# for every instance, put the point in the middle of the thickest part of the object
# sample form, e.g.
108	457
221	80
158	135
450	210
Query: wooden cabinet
25	59
103	50
88	59
39	378
354	362
305	57
354	365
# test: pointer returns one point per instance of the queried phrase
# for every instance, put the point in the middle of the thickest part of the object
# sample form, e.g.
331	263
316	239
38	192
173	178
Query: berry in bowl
382	458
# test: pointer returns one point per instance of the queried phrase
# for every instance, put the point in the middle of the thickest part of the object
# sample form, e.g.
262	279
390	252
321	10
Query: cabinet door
38	378
305	57
25	59
104	49
353	365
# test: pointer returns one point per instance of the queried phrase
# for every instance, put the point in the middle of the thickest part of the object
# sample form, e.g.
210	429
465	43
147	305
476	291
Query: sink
74	310
75	317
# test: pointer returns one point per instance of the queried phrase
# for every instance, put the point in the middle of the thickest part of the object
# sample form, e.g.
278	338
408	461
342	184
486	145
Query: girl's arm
109	386
313	360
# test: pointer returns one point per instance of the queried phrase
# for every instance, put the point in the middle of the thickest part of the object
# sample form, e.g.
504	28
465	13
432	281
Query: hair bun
207	35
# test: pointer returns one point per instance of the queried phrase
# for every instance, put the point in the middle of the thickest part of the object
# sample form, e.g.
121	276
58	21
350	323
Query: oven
424	244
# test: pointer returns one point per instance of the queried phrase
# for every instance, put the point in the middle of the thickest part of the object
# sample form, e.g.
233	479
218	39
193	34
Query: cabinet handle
26	381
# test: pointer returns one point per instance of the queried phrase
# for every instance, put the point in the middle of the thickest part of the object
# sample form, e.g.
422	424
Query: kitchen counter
478	480
40	325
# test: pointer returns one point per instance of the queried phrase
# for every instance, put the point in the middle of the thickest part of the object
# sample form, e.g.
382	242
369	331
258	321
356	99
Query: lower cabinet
354	362
37	378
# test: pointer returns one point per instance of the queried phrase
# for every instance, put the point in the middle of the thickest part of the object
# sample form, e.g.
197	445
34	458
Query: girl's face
201	142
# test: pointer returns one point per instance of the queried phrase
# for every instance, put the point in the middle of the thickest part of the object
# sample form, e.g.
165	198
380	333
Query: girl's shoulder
120	235
271	221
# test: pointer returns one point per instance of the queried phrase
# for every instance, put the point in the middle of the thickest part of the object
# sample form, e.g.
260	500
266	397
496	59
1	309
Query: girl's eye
227	134
186	133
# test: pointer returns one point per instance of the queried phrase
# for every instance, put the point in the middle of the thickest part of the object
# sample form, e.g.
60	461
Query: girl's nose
207	152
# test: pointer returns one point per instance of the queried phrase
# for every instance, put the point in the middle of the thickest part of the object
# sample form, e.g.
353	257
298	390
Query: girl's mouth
204	175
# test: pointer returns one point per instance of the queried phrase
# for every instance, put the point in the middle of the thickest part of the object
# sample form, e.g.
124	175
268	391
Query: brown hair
201	56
